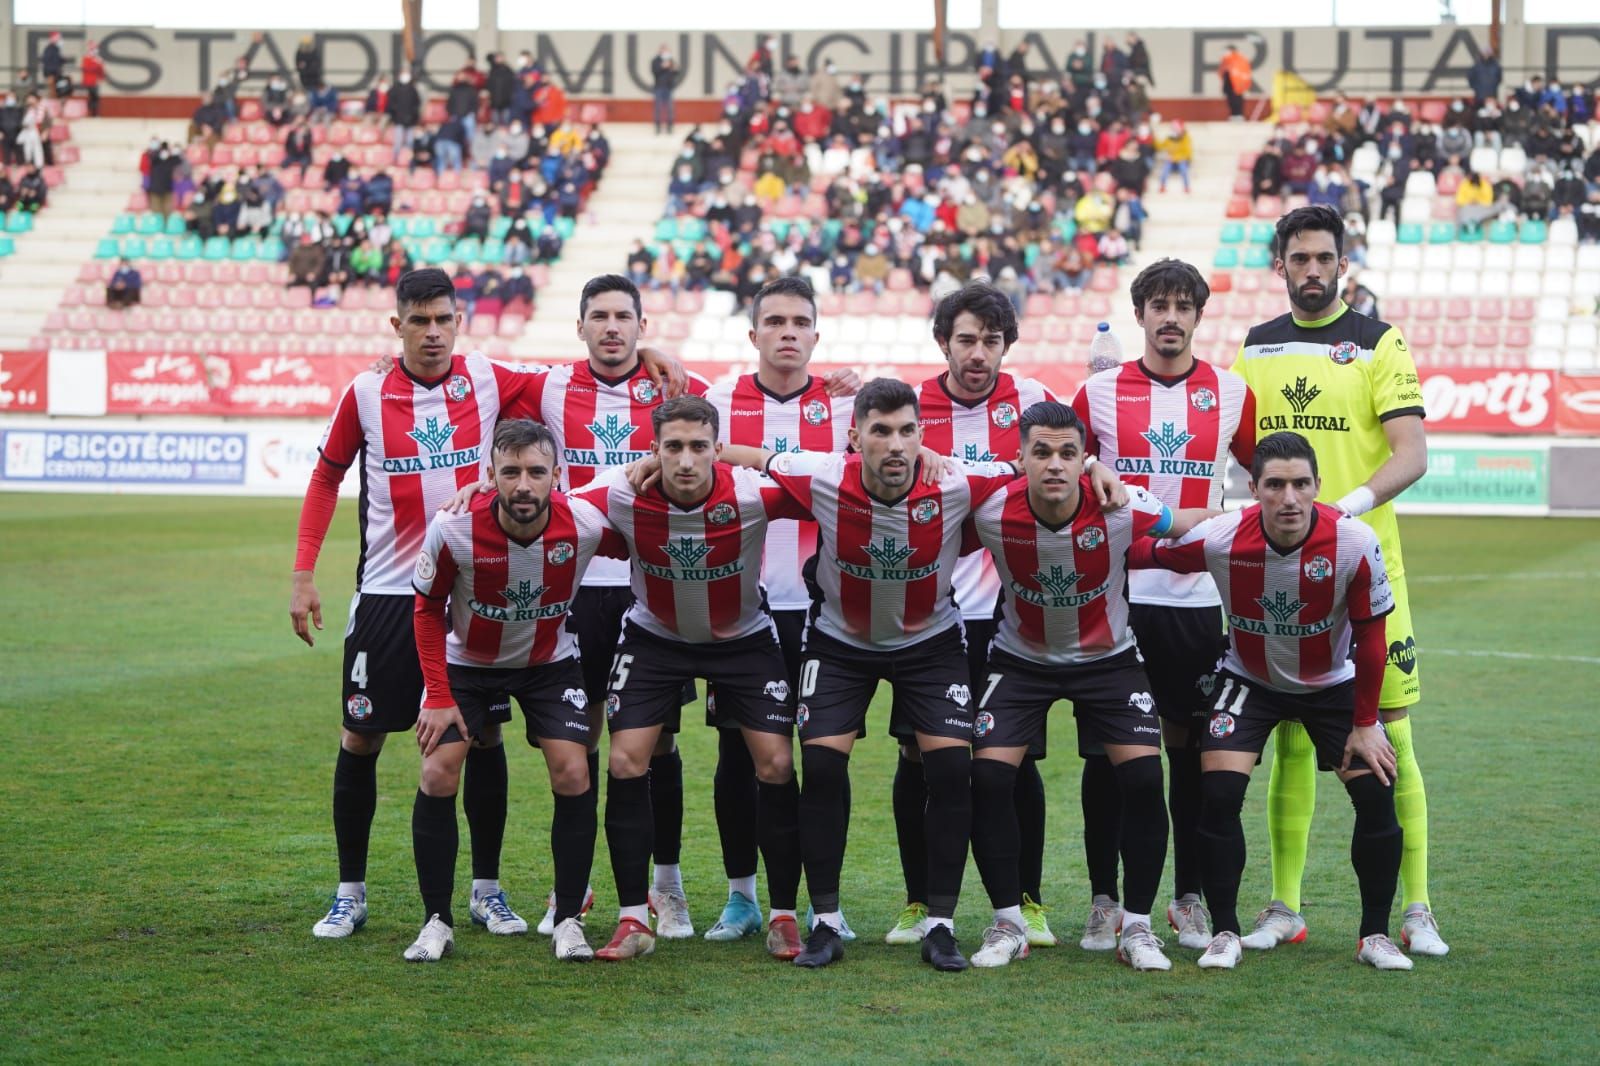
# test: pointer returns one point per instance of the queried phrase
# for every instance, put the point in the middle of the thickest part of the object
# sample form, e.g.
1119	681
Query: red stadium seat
279	323
247	156
338	135
263	299
1239	207
1454	336
676	330
236	298
1458	310
234	134
55	322
225	273
94	296
482	326
294	298
1426	310
1485	336
889	303
917	305
1492	309
1424	337
155	297
249	110
222	156
1397	309
1036	306
223	322
110	321
166	322
1269	207
511	326
1521	310
1518	338
689	303
860	303
1222	281
180	297
1030	331
72	297
195	323
1064	305
1289	113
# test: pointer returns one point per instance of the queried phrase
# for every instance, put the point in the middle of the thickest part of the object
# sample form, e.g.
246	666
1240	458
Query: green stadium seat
1067	229
1502	232
270	250
216	249
835	226
108	248
341	224
1408	233
780	229
176	226
693	229
1441	233
467	249
424	227
1226	258
189	247
151	223
160	248
1469	235
436	250
398	227
535	224
122	224
666	230
133	247
1263	233
494	250
243	249
1257	257
566	226
7	246
1232	233
1534	231
500	226
20	222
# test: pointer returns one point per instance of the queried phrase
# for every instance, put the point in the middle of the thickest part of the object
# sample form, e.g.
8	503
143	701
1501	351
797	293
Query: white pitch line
1590	660
1543	575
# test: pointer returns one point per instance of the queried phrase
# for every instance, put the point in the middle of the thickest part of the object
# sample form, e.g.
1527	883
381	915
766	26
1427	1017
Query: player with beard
1349	385
1166	423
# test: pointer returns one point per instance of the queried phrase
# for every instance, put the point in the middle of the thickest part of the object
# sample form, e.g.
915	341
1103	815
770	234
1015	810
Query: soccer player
781	407
1348	384
1166	423
888	541
971	412
696	541
509	568
1064	634
1299	581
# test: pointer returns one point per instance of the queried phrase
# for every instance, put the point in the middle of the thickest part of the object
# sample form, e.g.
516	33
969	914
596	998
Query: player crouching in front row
1296	577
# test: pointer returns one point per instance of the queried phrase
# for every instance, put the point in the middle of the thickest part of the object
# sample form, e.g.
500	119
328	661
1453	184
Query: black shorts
791	626
551	697
596	621
1181	647
647	682
930	679
382	677
1110	697
979	635
1244	714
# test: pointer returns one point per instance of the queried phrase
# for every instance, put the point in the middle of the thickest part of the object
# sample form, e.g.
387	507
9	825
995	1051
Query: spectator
478	217
640	264
1080	72
378	192
255	214
308	64
1361	299
791	84
30	144
51	61
1394	191
825	89
1234	70
449	146
502	86
1139	58
1128	218
1266	174
1484	78
1297	169
366	262
1178	148
403	105
376	107
32	192
1327	187
123	290
275	101
1113	247
297	147
8	192
1093	212
872	269
92	72
518	292
461	103
306	263
10	129
160	181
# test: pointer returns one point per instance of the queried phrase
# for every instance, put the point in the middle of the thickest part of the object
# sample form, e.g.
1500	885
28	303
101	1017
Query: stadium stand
31	187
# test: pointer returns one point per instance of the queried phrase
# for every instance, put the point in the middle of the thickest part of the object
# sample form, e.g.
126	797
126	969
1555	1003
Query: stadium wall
149	69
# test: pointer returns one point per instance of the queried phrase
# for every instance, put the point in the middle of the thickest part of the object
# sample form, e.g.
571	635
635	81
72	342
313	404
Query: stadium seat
1442	233
1533	231
1501	232
1232	233
1409	233
1226	259
1239	207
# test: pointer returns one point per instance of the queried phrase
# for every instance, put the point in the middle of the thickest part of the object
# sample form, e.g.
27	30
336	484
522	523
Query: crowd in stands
1553	173
1035	180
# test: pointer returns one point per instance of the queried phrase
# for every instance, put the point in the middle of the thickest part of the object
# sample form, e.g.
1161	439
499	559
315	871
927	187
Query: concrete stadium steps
79	213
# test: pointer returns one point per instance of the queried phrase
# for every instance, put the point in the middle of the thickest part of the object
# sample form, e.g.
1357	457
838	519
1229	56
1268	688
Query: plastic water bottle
1105	351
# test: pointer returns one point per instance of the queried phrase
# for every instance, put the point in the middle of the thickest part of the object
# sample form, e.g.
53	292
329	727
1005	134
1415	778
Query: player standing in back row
1348	384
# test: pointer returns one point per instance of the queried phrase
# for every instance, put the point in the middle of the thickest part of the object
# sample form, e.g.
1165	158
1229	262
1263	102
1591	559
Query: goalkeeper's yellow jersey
1335	381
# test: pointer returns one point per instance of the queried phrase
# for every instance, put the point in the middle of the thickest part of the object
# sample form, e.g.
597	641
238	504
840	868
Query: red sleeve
970	544
1185	557
1244	438
698	386
343	440
613	545
780	503
521	391
1080	405
316	514
796	486
1372	656
428	623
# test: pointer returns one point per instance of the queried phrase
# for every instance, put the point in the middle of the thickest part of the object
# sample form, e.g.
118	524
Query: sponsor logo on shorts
1206	683
1221	725
960	695
721	514
778	690
358	707
1203	399
644	390
959	723
1143	701
458	388
577	697
983	725
1004	415
1403	655
779	718
1145	729
802	715
1091	538
613	705
559	553
816	412
582	727
925	512
1318	568
1343	353
425	567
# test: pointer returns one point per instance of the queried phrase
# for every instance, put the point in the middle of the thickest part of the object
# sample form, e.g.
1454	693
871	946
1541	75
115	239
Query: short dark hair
686	409
991	306
1284	444
1309	219
515	434
608	283
885	395
420	286
1169	277
788	285
1050	414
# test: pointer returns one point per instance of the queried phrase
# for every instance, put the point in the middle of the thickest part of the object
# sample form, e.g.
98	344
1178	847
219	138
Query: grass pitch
166	847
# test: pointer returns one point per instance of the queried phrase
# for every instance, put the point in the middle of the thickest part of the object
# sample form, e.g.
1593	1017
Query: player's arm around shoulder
1397	402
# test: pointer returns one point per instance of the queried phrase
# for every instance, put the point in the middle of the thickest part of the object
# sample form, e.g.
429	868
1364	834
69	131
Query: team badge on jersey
1143	701
1004	415
960	695
1091	538
1221	725
802	715
1318	568
559	552
425	567
613	705
1203	399
816	412
721	514
925	512
778	690
358	707
458	388
983	724
644	390
1343	353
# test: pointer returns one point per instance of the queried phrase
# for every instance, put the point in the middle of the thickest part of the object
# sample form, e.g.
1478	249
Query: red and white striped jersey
600	423
1289	613
885	568
809	420
1170	436
418	443
981	432
1066	587
509	600
696	571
